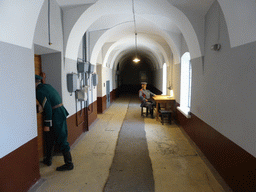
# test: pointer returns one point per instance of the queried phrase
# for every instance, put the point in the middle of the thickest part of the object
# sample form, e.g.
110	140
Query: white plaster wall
223	87
114	79
70	17
106	76
80	50
18	123
93	37
92	91
197	21
18	20
70	66
176	70
51	66
100	85
158	77
99	58
105	50
41	36
170	75
241	20
184	47
176	82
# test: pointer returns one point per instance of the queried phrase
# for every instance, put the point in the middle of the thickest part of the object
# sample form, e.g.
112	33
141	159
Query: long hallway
174	161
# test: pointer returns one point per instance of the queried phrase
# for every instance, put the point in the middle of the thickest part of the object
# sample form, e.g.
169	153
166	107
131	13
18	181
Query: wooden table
164	99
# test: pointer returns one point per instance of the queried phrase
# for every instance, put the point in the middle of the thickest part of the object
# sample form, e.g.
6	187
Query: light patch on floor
92	156
100	148
176	164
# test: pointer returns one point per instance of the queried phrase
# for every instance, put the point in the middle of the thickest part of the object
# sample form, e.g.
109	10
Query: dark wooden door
40	140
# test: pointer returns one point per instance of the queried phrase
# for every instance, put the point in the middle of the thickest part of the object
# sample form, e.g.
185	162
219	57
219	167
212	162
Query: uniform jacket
145	94
49	98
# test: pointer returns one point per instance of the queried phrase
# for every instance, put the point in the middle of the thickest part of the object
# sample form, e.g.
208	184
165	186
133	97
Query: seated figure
146	98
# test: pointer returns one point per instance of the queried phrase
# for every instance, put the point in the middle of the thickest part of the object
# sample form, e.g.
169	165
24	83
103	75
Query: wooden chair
165	113
142	107
142	110
147	108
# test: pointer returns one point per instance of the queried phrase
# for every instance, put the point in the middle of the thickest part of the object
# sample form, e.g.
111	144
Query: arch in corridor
145	45
101	8
22	34
127	41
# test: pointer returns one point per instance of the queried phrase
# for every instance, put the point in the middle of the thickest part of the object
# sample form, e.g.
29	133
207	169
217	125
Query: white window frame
185	85
164	79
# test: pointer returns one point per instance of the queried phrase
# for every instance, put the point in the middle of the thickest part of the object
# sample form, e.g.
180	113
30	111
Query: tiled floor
177	165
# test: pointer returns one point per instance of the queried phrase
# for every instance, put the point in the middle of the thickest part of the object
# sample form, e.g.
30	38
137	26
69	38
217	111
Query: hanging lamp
136	59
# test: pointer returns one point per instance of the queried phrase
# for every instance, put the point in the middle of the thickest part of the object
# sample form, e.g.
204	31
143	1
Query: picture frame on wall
143	76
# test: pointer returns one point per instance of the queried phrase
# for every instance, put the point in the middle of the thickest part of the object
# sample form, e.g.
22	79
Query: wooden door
38	71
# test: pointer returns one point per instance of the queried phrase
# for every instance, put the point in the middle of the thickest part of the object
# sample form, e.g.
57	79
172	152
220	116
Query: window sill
185	111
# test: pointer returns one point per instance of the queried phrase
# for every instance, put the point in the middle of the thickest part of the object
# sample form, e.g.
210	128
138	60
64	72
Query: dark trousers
150	104
57	135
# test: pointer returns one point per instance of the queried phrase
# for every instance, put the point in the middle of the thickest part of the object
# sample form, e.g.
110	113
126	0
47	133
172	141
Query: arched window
185	84
164	78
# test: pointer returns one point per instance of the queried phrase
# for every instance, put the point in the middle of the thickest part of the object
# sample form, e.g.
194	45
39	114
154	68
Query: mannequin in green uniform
55	125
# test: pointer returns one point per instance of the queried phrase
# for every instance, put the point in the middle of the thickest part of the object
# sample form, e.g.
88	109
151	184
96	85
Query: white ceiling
152	18
197	6
66	3
193	5
109	21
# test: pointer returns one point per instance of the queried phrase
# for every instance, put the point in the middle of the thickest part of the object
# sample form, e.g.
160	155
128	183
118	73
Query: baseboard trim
20	168
236	166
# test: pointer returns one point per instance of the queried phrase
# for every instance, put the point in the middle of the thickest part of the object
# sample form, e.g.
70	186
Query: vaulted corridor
177	164
198	54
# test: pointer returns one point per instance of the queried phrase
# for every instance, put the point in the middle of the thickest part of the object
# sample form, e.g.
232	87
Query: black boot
47	161
152	113
48	158
49	143
68	162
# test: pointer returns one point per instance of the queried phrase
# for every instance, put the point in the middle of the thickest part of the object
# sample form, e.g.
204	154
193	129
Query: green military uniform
55	116
144	95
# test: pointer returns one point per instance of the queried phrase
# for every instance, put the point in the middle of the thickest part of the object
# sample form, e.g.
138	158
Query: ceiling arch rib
149	35
101	8
117	53
122	55
187	29
240	17
144	43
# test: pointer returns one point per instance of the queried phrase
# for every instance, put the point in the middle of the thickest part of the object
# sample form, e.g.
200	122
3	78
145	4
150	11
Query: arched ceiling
168	16
153	20
129	55
122	38
143	52
172	16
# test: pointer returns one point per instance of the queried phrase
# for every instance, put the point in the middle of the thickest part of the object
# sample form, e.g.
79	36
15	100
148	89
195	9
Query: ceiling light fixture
136	59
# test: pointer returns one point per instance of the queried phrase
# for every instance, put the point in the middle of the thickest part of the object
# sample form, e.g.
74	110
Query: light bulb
136	60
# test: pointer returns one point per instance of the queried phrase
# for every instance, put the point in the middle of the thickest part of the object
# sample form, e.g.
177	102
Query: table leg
157	111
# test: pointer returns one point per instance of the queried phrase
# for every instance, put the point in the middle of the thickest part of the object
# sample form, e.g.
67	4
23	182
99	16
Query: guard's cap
38	77
143	83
